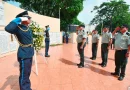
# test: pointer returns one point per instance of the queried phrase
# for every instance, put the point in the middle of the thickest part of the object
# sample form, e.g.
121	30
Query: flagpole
35	59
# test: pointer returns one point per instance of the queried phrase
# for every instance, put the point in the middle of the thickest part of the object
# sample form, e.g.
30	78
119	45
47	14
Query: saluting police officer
19	27
95	41
81	40
122	47
106	43
47	41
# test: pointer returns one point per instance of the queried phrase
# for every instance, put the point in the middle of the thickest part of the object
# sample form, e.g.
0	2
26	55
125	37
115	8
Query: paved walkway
61	72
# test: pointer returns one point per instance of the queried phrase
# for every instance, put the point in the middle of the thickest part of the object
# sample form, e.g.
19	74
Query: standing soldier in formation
81	40
19	27
95	41
47	41
87	40
122	47
106	43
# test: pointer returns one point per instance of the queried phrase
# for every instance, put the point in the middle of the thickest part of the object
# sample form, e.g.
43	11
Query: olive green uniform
81	35
104	47
95	38
121	46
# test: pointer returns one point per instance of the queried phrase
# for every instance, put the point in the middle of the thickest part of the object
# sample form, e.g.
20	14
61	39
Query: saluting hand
108	47
81	47
117	28
127	55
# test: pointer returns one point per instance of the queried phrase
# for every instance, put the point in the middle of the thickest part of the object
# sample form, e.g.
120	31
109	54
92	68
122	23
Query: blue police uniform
47	41
25	50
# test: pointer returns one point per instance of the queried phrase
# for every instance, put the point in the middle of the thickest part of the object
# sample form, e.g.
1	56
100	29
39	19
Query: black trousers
94	50
87	40
25	71
47	44
113	44
120	62
81	53
104	53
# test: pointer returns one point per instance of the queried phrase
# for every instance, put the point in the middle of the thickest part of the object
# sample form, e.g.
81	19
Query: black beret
106	27
82	25
124	25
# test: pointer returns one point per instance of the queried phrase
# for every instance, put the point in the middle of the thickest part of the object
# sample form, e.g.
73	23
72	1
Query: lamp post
59	13
101	27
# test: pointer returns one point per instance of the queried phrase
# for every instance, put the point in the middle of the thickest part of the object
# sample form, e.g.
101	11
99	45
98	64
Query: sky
85	15
14	3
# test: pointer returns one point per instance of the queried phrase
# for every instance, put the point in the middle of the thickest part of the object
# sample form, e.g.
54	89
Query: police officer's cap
47	26
23	14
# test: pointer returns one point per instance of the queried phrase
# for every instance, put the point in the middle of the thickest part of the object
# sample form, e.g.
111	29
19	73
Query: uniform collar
24	25
123	33
106	32
81	30
95	34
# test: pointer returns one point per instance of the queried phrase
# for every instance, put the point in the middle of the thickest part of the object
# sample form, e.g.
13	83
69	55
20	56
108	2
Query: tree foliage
113	13
68	9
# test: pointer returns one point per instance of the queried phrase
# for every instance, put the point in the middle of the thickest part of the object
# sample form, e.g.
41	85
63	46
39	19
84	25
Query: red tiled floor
61	73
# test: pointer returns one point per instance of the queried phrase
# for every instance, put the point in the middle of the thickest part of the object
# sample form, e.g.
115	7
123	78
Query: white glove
23	18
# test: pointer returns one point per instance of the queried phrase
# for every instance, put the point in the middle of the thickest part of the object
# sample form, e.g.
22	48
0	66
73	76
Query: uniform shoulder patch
128	34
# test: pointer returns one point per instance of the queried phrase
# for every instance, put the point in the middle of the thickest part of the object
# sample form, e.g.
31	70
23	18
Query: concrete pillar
73	37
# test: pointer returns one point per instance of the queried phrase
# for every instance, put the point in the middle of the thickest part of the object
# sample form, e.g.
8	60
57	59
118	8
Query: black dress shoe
120	78
47	55
115	74
91	58
104	65
80	66
100	64
94	59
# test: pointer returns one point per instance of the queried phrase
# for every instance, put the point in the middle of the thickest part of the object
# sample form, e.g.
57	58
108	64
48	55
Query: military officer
122	47
19	27
106	43
95	41
47	41
81	40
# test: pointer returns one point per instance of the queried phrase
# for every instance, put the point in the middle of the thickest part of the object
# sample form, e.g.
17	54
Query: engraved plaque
4	41
2	21
13	45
